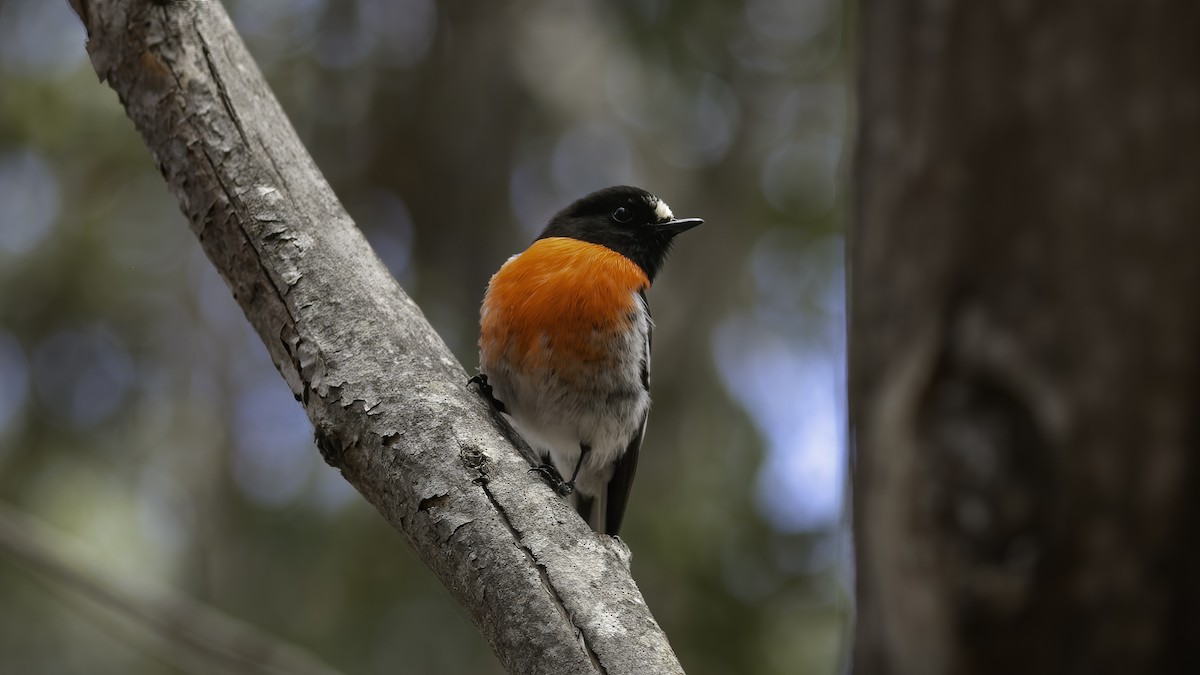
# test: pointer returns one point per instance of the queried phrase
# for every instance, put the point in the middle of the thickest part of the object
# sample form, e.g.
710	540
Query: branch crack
482	481
221	90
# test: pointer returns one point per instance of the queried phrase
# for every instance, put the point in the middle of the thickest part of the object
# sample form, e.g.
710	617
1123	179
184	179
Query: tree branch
198	638
386	397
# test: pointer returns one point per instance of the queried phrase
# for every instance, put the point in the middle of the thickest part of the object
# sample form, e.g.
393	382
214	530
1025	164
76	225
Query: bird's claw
554	478
486	389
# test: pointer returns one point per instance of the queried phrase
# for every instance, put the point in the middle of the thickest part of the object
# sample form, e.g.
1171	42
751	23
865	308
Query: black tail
593	511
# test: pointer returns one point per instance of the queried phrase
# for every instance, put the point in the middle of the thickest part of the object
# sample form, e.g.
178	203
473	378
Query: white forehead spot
662	210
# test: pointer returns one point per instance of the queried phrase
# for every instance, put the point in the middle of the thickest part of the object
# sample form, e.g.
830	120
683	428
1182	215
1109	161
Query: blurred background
142	420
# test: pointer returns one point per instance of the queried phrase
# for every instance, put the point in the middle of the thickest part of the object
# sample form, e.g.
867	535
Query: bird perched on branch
564	344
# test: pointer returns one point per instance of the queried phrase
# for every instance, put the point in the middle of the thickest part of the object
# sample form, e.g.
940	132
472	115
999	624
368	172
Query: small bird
564	343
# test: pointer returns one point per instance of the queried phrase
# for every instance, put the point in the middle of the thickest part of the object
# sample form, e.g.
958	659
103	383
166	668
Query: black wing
622	479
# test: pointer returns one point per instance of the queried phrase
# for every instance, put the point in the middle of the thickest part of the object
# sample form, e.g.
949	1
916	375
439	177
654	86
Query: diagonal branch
195	637
386	397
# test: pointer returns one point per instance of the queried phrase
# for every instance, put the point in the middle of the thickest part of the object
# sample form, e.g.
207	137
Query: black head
627	220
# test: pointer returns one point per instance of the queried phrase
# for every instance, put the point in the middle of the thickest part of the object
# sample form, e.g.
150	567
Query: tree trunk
388	400
1025	336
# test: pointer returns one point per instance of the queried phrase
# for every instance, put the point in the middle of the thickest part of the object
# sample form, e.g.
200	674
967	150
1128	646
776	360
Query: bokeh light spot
388	224
788	22
83	376
330	491
789	376
592	155
40	38
703	125
14	376
406	29
273	456
164	513
30	195
800	178
530	188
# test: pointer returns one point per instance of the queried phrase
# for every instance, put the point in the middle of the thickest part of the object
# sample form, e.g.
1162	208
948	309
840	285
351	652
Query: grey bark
387	399
1024	337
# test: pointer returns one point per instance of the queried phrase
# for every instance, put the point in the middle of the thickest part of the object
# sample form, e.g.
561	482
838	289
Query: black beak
674	227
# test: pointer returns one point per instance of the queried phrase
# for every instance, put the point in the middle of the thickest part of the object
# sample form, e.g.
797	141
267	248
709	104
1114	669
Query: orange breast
563	298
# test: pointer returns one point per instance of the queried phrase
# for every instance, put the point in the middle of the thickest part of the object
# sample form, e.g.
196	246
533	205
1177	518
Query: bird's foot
555	479
486	390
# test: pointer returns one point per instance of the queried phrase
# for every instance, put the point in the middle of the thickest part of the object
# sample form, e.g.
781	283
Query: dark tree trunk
1025	335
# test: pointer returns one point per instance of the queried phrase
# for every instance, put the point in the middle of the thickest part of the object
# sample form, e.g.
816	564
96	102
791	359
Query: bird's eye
622	215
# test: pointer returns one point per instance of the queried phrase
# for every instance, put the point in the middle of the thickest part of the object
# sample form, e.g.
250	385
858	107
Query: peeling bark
1025	333
387	399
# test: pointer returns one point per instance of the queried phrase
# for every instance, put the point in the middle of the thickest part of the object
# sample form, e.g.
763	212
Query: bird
564	343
